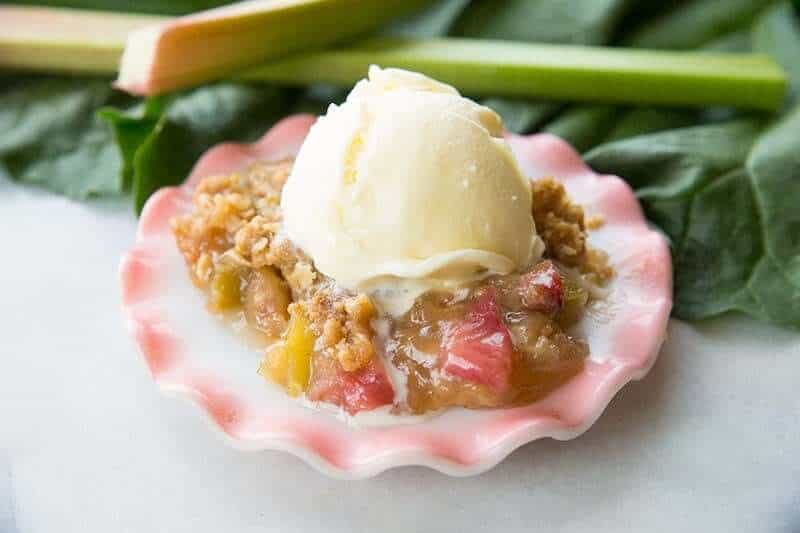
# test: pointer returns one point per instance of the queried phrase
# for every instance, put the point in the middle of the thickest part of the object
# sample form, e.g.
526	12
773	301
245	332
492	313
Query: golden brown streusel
240	213
342	323
595	222
266	299
560	223
253	239
595	267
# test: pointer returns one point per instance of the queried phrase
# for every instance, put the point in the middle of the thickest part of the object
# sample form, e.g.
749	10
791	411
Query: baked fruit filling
500	341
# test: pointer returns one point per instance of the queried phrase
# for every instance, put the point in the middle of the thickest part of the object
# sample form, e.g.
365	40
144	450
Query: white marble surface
709	441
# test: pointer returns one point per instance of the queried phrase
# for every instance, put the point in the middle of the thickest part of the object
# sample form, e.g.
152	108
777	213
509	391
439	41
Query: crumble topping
343	326
239	215
559	222
561	225
595	222
252	241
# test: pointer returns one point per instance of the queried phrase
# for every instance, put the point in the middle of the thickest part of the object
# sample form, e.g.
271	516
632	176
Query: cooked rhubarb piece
275	366
355	391
289	364
574	302
300	346
266	302
542	288
478	349
225	290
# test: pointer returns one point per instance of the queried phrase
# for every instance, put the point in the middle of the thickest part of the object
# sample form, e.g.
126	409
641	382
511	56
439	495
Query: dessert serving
402	259
397	282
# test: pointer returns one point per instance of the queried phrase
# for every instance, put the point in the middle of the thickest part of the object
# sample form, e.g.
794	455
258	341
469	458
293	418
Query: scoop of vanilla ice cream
408	180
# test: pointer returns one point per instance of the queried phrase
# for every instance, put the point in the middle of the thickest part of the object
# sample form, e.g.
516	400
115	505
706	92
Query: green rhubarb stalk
65	40
75	41
216	43
559	72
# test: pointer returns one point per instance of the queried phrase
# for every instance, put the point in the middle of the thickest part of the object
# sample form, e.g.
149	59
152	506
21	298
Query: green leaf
162	141
642	121
436	21
696	22
774	169
52	138
130	129
677	162
584	126
553	21
777	33
725	194
520	115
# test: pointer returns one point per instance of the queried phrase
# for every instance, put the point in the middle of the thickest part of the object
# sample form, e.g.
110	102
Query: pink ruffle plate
192	353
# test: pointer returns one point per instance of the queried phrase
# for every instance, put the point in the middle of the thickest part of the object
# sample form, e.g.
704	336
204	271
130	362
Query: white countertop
709	441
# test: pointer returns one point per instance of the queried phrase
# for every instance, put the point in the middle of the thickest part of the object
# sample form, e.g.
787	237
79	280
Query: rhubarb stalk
559	72
65	40
80	42
216	43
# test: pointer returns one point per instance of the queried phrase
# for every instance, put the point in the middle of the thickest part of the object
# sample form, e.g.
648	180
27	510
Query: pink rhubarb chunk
479	348
542	289
356	391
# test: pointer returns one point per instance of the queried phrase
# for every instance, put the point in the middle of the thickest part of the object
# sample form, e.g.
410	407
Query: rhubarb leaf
725	195
551	21
52	138
435	21
131	128
777	33
695	23
161	141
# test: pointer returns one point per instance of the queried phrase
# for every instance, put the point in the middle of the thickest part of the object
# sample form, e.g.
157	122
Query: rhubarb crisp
501	340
